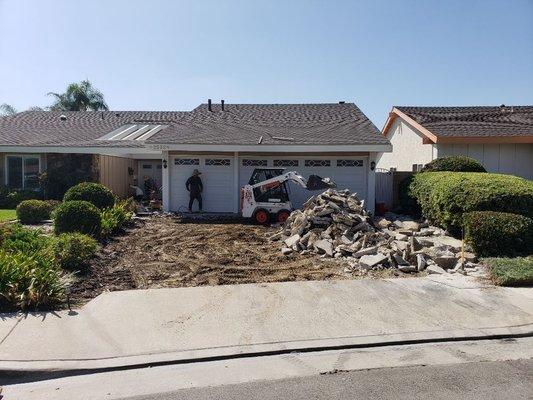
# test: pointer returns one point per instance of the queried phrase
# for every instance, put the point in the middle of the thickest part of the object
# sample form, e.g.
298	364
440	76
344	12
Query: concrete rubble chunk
364	252
420	262
435	269
286	251
411	225
407	268
325	245
292	240
369	261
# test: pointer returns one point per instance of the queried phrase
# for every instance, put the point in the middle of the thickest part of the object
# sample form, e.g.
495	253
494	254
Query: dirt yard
165	252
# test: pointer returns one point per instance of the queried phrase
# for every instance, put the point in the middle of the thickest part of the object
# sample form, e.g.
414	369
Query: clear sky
173	55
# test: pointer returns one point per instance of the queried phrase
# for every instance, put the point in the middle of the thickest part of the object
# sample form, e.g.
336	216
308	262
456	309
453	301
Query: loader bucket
315	182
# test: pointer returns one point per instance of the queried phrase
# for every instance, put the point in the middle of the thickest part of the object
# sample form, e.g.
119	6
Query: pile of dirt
162	252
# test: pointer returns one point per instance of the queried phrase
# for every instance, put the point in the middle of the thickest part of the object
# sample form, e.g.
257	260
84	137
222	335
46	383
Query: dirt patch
163	252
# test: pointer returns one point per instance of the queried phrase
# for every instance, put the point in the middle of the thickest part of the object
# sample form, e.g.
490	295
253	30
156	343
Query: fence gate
384	188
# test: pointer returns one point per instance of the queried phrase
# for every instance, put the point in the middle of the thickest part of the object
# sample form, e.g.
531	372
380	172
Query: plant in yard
81	96
511	271
114	218
33	211
94	193
73	250
445	196
492	233
16	238
12	198
77	216
29	280
454	164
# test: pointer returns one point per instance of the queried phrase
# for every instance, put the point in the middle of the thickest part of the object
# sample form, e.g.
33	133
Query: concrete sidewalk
156	326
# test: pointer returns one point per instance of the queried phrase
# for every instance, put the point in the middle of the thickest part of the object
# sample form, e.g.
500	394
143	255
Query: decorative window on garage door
285	163
318	163
186	161
249	162
225	162
349	163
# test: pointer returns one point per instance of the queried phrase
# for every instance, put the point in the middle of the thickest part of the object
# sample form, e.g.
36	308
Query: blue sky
172	55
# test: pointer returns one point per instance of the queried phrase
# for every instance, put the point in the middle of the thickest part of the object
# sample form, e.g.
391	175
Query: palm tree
79	97
7	110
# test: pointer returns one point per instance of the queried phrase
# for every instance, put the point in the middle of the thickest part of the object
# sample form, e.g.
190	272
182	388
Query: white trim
23	156
166	182
108	151
236	188
286	148
370	202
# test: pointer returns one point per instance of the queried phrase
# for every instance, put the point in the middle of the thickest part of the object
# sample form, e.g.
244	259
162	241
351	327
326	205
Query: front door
151	169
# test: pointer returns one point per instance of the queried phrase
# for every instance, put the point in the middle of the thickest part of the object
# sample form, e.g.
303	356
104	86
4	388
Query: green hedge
94	193
10	199
454	164
77	216
445	196
498	234
34	211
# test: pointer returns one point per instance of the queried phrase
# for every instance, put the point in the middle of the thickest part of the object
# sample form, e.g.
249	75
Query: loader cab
272	193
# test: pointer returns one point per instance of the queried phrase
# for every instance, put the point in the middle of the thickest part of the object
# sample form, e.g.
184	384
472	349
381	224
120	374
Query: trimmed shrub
454	164
77	216
445	196
29	280
497	234
33	211
114	218
10	199
73	250
94	193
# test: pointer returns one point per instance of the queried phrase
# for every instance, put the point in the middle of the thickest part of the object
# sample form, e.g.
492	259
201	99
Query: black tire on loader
261	216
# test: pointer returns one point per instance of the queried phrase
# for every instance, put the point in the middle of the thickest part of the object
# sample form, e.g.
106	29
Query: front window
23	172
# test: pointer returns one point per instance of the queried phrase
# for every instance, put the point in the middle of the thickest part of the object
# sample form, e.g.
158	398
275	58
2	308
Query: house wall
407	148
113	172
514	159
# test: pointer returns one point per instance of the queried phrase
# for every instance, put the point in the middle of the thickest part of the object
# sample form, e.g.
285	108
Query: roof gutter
285	148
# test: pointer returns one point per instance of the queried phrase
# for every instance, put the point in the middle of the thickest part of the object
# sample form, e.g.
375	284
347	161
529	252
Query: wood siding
114	173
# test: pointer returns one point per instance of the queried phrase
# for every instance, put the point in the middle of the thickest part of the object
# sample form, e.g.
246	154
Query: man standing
195	188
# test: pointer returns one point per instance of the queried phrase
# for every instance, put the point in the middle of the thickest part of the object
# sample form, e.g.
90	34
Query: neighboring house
224	141
501	138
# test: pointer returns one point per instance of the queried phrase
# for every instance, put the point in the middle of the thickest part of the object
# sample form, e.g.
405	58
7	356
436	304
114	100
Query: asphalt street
472	381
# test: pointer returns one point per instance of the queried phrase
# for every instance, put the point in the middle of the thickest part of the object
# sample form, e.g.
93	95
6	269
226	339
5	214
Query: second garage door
217	178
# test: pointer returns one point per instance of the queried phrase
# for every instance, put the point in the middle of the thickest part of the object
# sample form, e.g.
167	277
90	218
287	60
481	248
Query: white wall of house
407	148
514	159
224	174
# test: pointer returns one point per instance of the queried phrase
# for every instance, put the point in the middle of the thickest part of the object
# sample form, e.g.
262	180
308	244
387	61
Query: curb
18	371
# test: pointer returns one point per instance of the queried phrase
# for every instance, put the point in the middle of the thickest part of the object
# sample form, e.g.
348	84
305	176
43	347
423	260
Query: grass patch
516	271
7	215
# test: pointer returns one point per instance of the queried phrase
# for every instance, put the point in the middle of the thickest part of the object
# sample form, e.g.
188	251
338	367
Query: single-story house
500	137
224	141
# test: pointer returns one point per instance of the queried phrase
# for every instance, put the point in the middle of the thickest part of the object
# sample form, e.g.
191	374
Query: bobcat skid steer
266	197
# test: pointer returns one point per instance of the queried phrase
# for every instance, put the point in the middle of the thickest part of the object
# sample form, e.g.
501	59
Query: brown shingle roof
237	124
479	121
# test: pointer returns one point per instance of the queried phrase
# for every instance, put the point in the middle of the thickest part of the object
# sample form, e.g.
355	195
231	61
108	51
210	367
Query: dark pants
195	196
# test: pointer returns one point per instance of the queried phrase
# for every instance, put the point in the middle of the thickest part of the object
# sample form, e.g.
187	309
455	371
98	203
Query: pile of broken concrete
335	224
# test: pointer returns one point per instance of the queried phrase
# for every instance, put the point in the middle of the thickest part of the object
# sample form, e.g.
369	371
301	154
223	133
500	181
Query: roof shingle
480	121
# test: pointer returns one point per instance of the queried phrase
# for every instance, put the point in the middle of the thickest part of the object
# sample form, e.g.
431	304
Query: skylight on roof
139	132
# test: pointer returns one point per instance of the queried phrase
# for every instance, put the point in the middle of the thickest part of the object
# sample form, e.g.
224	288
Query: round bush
498	234
33	211
77	216
454	164
73	250
94	193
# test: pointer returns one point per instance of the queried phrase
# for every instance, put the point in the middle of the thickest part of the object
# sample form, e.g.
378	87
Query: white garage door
217	179
347	172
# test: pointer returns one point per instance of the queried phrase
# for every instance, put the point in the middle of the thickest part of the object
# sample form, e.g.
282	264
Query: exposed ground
166	252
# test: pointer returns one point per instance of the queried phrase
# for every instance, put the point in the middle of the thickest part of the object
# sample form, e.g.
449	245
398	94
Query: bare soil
165	252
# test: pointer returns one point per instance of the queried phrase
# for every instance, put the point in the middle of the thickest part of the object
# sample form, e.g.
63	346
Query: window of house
317	163
186	161
285	163
250	162
23	171
349	163
226	162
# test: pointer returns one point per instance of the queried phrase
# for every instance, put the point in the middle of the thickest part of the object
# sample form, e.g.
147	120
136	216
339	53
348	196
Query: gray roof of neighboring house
491	121
241	124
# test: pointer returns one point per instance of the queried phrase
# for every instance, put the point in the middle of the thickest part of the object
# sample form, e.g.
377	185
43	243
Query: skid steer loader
266	197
